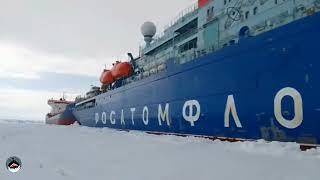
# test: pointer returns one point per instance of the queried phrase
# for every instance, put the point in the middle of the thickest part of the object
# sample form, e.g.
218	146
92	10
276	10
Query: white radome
148	29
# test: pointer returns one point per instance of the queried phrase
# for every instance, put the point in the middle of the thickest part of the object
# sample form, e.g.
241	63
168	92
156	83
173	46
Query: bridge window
188	45
210	12
225	2
190	26
275	1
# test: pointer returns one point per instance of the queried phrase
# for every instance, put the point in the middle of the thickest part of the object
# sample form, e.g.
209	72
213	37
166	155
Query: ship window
210	12
275	1
225	2
192	25
255	10
247	14
188	45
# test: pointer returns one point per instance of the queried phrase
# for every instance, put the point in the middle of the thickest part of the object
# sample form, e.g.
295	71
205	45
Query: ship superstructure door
211	35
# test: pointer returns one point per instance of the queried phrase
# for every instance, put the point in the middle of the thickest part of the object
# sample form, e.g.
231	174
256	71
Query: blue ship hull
265	87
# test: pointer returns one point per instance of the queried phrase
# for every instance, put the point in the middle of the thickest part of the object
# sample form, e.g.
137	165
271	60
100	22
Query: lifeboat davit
106	77
121	70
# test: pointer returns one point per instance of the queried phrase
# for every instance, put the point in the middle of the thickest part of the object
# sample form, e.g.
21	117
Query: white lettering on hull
104	118
96	117
298	108
112	118
163	116
122	118
191	116
231	108
132	114
145	115
191	112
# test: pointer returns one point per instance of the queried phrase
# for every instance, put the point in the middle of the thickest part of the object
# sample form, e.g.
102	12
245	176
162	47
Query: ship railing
154	61
186	35
182	15
195	53
80	98
178	19
156	64
178	37
187	56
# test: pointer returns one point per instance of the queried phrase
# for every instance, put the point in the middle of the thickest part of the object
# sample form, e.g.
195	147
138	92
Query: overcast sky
52	46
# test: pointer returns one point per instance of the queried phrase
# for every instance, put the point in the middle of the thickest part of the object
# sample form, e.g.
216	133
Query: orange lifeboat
106	77
121	70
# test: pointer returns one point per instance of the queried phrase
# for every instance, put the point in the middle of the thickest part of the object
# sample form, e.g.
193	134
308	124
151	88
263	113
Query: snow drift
81	153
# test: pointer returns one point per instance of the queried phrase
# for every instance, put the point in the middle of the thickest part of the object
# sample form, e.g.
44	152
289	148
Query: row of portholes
247	13
255	10
226	1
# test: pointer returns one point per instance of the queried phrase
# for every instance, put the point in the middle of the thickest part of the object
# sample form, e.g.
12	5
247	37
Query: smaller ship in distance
61	112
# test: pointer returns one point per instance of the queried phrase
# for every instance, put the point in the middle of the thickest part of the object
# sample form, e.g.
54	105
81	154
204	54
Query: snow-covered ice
80	153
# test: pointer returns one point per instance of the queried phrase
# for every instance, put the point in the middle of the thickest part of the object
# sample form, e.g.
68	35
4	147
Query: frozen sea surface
80	153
